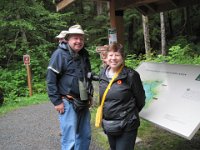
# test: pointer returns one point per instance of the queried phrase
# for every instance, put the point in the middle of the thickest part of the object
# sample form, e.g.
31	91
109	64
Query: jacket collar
122	74
63	45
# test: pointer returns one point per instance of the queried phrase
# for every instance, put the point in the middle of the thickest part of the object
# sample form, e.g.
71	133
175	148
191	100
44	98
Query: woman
123	102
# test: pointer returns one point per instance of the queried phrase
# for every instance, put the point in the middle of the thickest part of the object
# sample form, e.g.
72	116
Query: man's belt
70	97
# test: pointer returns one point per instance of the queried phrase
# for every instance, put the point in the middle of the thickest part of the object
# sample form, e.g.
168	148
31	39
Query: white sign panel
173	97
26	59
112	35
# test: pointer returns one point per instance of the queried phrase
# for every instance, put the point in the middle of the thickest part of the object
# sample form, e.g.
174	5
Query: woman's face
114	60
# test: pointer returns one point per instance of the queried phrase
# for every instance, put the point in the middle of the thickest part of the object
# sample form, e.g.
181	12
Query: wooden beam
130	3
173	2
63	4
151	7
164	5
101	0
185	3
142	10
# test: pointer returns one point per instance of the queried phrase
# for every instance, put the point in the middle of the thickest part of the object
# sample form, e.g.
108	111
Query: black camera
92	76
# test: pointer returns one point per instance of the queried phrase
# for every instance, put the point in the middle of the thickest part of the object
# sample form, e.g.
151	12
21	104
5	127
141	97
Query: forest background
30	26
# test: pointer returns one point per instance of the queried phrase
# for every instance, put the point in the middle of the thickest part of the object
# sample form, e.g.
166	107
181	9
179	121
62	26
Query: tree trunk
163	35
145	22
169	18
188	25
130	36
99	7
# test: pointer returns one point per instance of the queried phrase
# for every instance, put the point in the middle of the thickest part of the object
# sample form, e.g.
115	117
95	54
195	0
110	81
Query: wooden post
117	22
29	79
120	26
112	14
26	59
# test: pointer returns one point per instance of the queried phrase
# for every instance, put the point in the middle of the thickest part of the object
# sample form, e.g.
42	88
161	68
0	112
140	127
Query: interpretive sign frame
173	96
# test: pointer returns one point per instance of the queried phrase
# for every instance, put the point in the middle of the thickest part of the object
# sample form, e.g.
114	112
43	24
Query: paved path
34	127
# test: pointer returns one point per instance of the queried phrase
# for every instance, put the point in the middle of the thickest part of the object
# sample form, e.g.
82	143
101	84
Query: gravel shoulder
34	127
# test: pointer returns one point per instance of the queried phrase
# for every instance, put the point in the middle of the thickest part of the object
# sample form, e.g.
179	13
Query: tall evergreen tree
163	35
145	21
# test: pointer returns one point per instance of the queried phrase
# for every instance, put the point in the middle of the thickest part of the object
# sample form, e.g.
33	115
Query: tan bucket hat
62	34
75	29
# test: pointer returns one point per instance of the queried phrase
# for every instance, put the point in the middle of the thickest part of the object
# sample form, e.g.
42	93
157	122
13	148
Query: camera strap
99	113
83	85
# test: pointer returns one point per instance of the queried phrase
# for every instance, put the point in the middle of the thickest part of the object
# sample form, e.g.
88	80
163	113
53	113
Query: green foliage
29	27
39	87
94	59
132	61
13	84
98	36
154	26
133	31
11	105
183	55
179	54
98	134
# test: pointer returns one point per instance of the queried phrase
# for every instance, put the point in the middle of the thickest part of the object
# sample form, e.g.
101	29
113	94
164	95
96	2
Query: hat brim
58	37
62	34
75	33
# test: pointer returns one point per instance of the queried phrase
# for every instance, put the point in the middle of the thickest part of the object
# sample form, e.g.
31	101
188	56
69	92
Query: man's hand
60	108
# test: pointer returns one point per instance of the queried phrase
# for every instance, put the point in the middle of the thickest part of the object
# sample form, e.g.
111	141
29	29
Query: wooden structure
146	7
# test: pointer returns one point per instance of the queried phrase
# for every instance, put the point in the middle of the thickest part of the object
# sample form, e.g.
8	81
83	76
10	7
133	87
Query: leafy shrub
184	53
132	62
12	82
95	59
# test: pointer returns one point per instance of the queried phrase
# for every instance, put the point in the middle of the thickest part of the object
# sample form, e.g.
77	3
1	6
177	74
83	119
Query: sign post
26	59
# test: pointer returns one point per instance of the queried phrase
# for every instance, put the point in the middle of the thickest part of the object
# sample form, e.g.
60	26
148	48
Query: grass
97	133
10	105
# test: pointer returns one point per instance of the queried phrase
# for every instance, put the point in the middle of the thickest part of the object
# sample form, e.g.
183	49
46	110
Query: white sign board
112	35
26	59
173	97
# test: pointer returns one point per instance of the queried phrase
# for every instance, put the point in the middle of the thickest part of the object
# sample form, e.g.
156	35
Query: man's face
76	42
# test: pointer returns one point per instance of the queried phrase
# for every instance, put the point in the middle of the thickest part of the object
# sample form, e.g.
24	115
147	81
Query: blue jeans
75	128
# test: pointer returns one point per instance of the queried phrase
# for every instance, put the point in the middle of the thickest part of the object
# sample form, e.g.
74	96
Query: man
61	36
66	80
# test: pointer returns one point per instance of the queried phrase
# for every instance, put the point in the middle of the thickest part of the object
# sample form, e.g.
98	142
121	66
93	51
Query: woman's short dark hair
116	47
